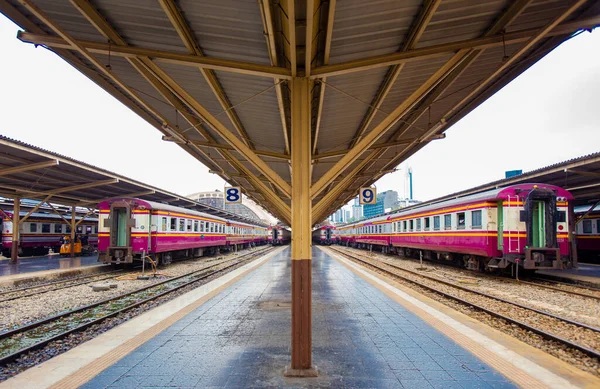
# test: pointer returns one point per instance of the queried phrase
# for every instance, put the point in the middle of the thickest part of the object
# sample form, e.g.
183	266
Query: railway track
545	283
562	328
33	290
34	336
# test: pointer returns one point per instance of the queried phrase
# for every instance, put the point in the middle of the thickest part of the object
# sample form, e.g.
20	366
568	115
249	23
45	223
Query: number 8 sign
368	196
233	194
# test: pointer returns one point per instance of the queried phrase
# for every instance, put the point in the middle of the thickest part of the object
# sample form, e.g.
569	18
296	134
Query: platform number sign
368	196
233	194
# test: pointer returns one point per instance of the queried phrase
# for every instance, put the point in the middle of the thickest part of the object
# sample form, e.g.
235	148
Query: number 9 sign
368	196
233	194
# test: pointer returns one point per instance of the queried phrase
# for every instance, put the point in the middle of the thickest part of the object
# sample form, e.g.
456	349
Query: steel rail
56	288
506	279
583	349
15	355
56	282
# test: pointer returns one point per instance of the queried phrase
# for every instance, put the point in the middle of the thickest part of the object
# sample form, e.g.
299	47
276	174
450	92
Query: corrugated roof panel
538	14
67	16
363	29
345	107
229	29
461	20
192	80
141	23
255	101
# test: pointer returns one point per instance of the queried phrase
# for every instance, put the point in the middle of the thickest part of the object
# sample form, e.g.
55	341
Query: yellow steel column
73	227
14	252
301	232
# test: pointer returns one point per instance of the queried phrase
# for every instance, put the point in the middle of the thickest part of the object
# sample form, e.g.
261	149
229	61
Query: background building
357	210
385	202
248	208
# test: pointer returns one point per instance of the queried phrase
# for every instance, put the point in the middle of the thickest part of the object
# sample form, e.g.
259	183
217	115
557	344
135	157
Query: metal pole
301	231
73	227
143	262
14	253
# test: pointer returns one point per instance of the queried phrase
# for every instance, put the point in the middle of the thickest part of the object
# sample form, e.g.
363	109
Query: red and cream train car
526	224
130	228
325	235
587	232
43	231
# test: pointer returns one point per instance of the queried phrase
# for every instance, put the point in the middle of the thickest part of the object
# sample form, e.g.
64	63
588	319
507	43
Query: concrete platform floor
240	338
47	262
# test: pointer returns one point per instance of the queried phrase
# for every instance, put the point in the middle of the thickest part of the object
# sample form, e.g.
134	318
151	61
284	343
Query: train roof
494	194
161	207
51	216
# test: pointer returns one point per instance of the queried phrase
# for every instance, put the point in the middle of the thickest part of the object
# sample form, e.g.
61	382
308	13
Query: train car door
538	229
500	226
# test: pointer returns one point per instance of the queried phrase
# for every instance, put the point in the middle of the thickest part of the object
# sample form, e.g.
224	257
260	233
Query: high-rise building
357	209
385	200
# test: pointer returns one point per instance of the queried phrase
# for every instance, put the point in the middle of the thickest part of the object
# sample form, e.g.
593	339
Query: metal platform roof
387	76
580	176
30	172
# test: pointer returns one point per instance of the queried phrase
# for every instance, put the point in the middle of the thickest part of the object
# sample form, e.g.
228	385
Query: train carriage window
561	216
95	229
460	220
522	216
436	223
411	225
476	219
181	224
447	222
189	225
212	227
202	226
598	226
32	227
380	228
405	225
395	227
163	224
79	229
196	226
427	222
173	224
58	228
88	229
419	224
46	228
587	226
68	229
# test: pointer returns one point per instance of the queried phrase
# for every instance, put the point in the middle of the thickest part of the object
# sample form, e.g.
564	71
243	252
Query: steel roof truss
24	168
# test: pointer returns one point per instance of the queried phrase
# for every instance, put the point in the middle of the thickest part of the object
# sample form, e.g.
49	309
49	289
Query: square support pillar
301	232
73	234
14	251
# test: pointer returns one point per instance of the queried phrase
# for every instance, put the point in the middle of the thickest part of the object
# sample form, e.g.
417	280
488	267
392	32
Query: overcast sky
549	114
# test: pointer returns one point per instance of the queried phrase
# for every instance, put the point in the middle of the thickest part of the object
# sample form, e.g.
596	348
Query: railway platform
48	266
368	332
586	273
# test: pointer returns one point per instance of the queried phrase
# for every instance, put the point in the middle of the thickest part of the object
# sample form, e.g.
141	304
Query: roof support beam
387	123
584	173
321	209
32	166
213	145
216	125
35	209
419	26
506	18
160	56
289	20
543	33
333	154
186	35
441	50
269	32
328	36
76	187
152	72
